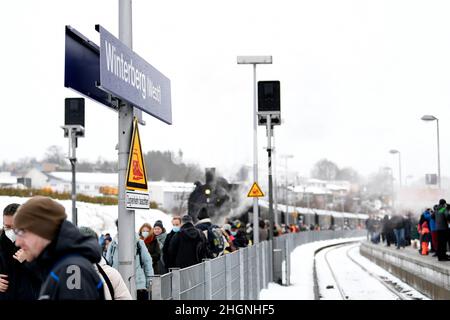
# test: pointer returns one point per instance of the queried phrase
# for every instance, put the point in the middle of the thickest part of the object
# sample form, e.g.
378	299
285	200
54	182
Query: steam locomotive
222	199
219	197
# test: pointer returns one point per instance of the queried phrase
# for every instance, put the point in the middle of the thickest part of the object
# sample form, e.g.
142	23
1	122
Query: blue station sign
113	71
129	77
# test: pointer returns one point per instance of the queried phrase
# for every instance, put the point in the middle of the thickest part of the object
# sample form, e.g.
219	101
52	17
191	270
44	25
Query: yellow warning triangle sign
255	191
136	173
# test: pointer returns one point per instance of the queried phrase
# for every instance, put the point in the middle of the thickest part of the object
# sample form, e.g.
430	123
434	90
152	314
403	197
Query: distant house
321	192
167	195
7	180
88	183
170	195
39	179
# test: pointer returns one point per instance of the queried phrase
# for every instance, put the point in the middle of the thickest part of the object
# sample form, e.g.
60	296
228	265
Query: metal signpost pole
126	223
255	159
275	181
269	153
74	194
73	160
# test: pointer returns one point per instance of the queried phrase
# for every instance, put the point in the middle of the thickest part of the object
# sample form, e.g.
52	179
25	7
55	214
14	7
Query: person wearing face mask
146	234
17	281
240	240
166	255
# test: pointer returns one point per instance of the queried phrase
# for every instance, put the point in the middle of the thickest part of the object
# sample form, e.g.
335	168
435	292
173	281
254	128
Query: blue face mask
176	229
233	233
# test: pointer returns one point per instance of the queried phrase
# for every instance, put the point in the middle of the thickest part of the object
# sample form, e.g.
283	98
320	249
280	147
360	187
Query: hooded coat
187	247
142	262
23	284
66	268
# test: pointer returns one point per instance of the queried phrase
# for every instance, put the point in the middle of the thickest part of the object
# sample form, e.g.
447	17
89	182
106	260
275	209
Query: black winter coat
397	222
66	267
187	247
166	255
23	283
240	240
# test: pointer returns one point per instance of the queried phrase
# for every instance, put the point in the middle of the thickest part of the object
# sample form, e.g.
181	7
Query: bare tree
325	170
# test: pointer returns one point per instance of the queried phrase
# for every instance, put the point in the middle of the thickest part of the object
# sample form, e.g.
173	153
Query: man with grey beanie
61	256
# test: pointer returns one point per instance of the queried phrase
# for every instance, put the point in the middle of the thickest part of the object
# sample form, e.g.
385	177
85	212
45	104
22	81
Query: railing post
242	273
288	261
155	288
228	288
250	272
258	269
264	263
270	264
176	283
277	273
208	291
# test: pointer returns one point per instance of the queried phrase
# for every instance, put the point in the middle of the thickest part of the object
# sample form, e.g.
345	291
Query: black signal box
74	111
268	96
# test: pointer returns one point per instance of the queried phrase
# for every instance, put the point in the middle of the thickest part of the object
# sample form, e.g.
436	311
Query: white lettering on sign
124	70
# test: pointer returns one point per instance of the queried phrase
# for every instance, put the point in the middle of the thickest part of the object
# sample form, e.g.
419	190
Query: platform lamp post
254	60
393	151
432	118
286	157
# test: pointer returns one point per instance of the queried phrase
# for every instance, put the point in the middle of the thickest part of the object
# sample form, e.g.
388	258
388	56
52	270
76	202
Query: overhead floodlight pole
399	166
286	157
432	118
254	60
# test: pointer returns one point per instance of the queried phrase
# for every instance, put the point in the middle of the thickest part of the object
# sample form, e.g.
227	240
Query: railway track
387	283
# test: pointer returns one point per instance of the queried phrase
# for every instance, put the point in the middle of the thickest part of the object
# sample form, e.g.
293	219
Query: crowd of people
430	231
44	256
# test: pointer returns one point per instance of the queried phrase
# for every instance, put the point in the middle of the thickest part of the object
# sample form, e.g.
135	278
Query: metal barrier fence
240	275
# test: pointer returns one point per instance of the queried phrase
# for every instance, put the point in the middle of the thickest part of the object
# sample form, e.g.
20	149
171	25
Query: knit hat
186	218
40	215
158	223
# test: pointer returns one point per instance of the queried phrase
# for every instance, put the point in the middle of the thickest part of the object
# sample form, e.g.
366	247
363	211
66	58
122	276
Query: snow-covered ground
359	284
302	259
356	283
99	217
380	272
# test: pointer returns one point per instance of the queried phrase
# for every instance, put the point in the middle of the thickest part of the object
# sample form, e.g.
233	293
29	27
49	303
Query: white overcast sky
356	76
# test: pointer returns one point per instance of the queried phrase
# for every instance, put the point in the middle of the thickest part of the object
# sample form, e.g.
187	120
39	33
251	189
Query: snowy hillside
99	217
